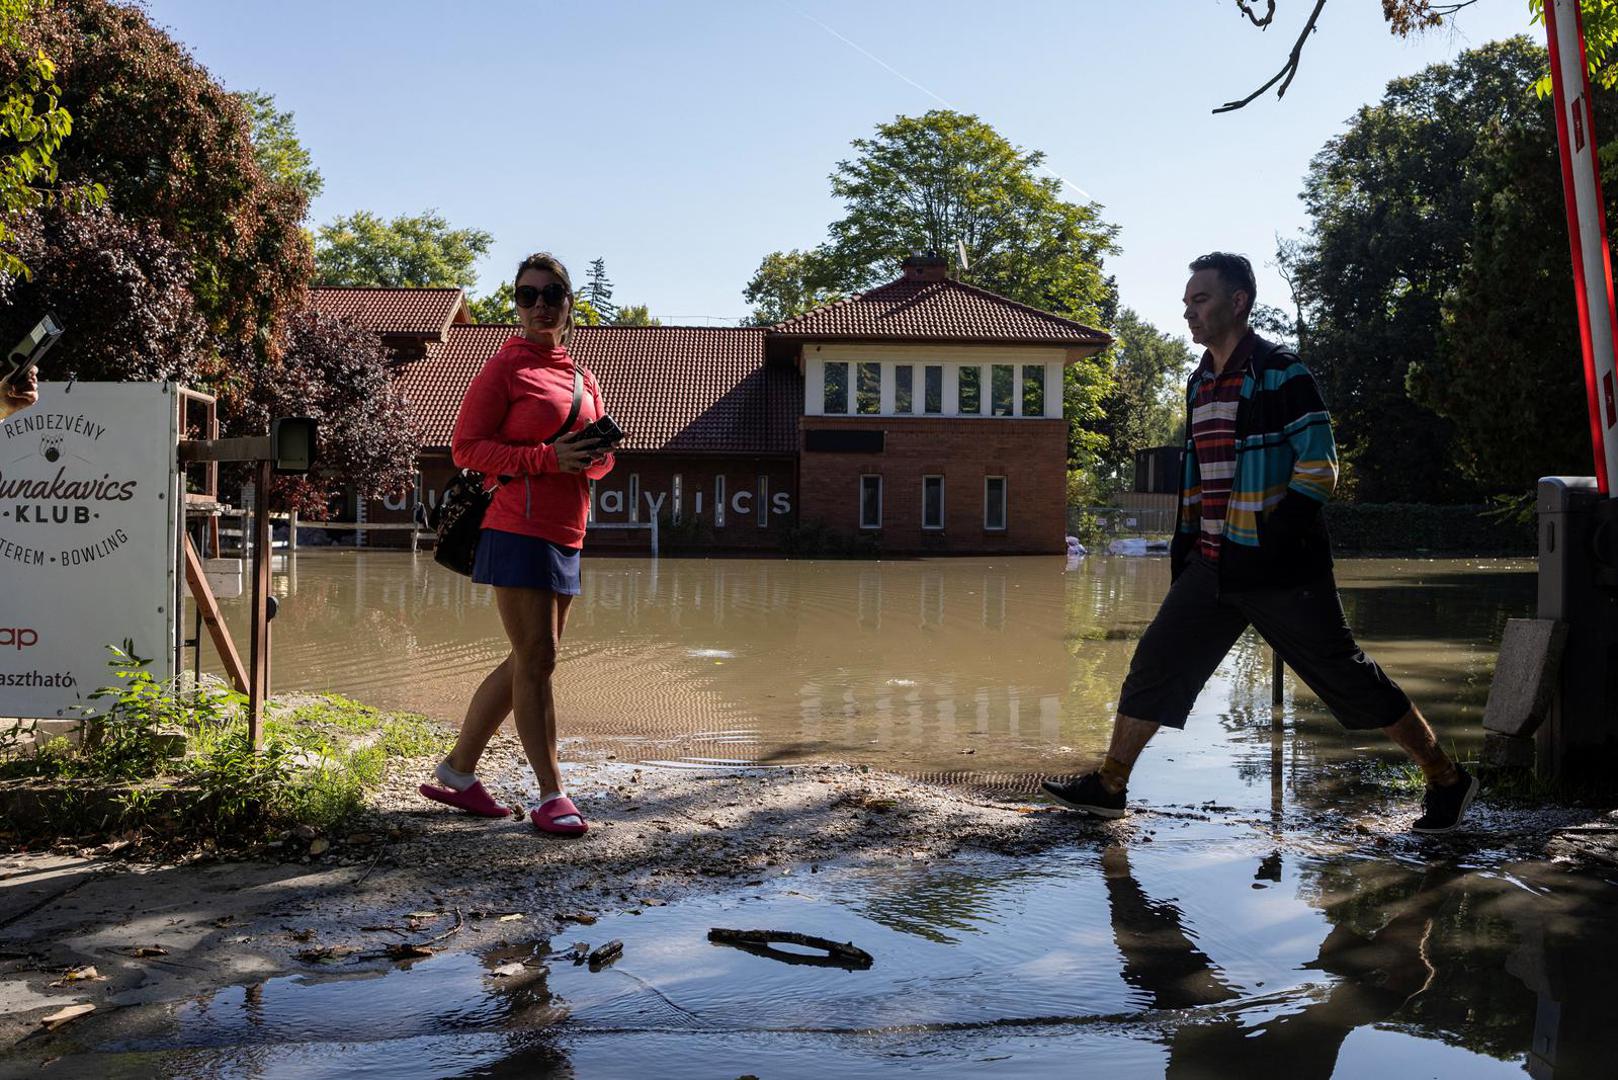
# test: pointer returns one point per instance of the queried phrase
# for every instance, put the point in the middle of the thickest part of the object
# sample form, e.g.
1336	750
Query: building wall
643	485
1031	454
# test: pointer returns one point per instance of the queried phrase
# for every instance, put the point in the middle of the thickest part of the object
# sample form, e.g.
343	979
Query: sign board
1587	229
88	483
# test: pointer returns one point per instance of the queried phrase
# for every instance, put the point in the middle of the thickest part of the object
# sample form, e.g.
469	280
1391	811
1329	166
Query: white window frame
1005	504
942	516
863	523
849	372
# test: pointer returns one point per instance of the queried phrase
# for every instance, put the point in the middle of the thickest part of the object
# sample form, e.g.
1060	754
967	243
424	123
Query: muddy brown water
1234	930
964	670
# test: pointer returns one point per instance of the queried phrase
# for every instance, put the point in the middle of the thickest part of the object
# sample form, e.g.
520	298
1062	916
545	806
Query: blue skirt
511	560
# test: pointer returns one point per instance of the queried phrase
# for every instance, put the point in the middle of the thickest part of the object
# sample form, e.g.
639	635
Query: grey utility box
1578	586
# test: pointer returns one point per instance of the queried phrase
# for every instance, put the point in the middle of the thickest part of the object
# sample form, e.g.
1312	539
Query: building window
678	513
870	502
763	501
932	502
902	376
868	393
836	387
1033	389
1001	398
971	387
994	503
634	497
933	375
719	502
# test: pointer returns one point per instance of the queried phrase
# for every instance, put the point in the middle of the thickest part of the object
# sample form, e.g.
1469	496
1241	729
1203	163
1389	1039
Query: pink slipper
474	800
544	817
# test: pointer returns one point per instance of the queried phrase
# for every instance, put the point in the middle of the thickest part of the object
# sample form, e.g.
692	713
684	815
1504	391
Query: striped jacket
1286	468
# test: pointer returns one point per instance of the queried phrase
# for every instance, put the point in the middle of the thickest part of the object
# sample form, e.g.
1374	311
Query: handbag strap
572	412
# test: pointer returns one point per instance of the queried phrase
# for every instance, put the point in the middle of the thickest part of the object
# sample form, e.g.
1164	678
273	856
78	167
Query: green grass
316	764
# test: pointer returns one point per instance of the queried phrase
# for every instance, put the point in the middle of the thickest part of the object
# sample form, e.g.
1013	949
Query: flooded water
1235	928
1206	953
965	670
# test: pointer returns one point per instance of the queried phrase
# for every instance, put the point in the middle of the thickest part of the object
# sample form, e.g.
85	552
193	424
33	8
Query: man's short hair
1234	271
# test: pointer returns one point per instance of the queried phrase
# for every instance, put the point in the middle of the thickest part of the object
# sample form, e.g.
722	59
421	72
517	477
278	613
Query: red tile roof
425	313
915	310
686	389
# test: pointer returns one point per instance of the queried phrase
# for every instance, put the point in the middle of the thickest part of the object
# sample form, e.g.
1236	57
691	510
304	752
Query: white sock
566	819
455	781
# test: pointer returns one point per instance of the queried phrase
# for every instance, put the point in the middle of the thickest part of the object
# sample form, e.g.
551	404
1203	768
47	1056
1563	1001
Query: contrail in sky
875	59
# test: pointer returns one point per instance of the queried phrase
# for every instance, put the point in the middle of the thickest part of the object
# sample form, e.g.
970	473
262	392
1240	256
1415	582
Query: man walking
1251	548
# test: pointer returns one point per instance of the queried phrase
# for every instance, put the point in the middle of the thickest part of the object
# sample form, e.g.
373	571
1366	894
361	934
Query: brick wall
1031	454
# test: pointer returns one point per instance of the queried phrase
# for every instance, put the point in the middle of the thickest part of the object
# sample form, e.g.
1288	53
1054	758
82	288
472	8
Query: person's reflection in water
1378	973
1159	956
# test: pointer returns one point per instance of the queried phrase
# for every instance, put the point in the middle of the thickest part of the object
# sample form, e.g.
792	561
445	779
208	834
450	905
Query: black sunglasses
553	295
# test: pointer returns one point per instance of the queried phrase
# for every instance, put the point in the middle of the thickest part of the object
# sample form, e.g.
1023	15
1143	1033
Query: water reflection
1204	953
962	670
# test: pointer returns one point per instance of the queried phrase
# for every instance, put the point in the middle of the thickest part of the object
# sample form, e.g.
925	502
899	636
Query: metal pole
1278	669
259	676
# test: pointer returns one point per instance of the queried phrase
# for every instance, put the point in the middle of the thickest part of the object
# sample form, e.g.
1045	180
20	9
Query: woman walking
520	422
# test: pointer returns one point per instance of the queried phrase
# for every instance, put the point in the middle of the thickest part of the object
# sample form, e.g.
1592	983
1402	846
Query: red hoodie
516	402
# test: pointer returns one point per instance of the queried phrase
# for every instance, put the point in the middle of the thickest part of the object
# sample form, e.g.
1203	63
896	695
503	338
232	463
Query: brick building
925	415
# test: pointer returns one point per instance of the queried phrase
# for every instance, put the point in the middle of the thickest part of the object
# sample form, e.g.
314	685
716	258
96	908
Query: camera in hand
30	350
604	432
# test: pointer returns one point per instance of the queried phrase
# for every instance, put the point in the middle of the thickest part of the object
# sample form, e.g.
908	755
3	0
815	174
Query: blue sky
684	141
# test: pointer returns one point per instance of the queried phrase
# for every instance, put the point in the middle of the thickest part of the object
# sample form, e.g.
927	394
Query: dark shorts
511	560
1197	625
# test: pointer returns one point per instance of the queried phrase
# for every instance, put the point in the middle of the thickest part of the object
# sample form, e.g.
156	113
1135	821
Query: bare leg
1129	738
529	616
1412	732
489	708
491	704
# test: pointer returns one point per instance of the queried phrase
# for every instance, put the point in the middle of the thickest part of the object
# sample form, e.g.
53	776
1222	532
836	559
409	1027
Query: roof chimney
928	267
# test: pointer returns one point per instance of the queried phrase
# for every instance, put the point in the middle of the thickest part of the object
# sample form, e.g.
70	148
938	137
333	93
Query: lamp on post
290	448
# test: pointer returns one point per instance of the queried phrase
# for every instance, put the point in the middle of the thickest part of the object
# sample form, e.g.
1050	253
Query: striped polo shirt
1213	434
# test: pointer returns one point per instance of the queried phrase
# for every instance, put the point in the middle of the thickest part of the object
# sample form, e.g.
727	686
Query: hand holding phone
604	432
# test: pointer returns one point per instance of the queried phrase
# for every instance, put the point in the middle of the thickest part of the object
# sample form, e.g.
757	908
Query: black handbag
458	517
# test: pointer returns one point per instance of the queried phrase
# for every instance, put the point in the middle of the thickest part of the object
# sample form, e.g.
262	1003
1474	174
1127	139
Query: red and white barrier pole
1586	228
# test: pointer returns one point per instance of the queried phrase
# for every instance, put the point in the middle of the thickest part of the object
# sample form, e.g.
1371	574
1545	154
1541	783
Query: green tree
1395	203
789	283
499	306
1146	403
597	291
280	155
174	149
33	124
934	182
635	315
411	251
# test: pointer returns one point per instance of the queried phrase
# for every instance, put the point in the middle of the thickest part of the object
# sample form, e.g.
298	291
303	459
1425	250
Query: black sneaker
1446	806
1086	793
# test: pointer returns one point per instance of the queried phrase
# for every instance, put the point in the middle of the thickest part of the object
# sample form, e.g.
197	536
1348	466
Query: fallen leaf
62	1016
326	952
513	917
407	951
149	950
505	971
83	974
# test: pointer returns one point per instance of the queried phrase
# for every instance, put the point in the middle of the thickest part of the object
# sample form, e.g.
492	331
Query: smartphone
604	432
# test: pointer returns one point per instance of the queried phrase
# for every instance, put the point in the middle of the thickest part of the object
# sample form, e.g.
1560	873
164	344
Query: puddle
1193	949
